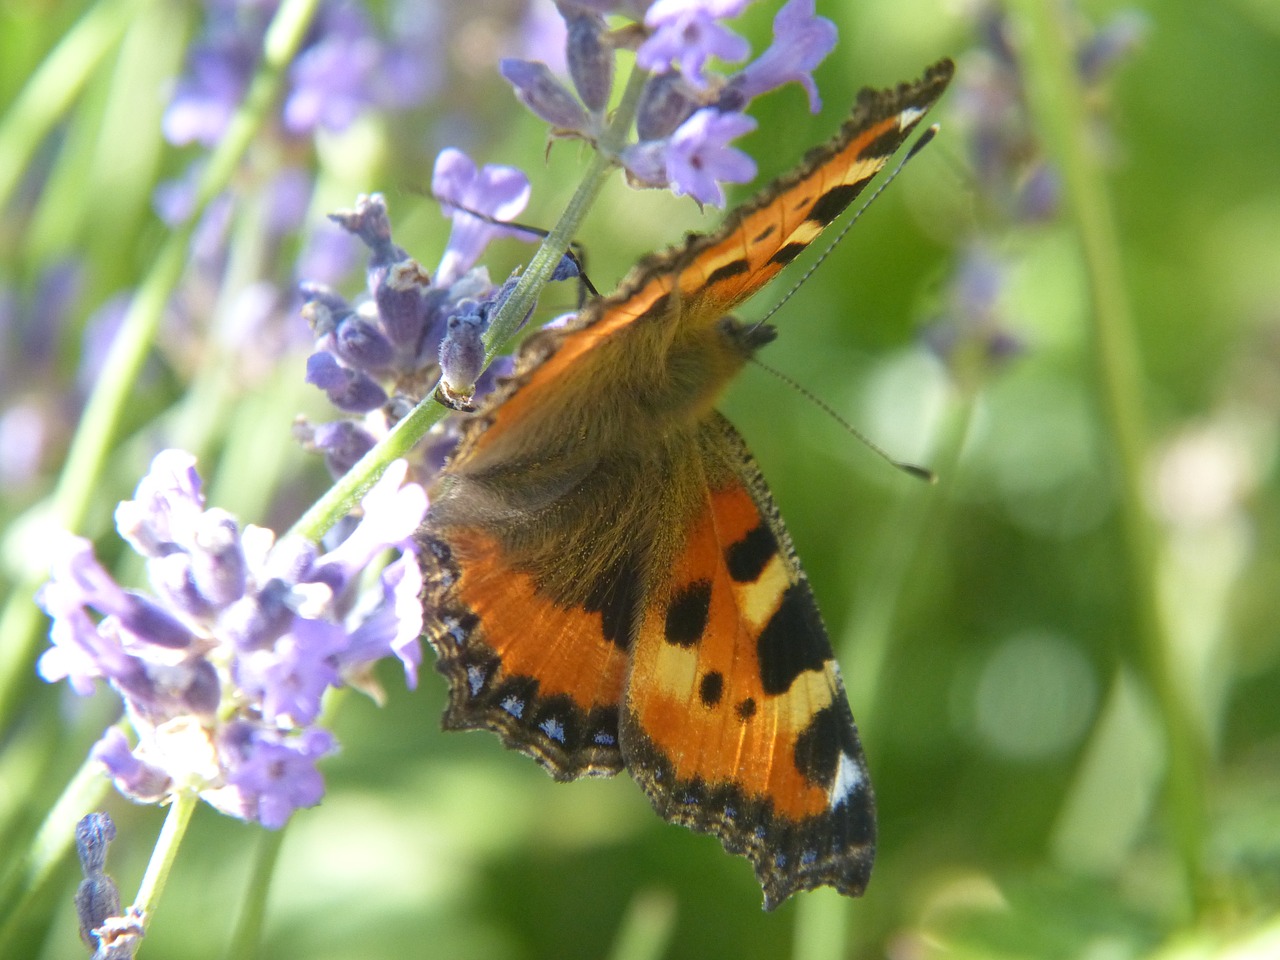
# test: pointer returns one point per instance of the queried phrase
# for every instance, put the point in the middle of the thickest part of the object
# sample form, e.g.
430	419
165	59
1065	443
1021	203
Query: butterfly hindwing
546	678
735	720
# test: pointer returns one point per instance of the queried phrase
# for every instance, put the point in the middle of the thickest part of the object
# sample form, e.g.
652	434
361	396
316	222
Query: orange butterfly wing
735	720
607	581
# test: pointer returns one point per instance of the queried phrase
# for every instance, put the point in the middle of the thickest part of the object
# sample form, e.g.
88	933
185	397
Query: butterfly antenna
911	469
921	142
575	253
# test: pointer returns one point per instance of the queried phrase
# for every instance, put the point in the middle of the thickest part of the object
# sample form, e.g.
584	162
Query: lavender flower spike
266	629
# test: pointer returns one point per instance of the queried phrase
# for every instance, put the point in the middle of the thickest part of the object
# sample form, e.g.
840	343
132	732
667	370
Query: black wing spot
733	269
711	689
885	144
788	253
818	748
764	234
687	614
792	642
832	203
746	709
747	558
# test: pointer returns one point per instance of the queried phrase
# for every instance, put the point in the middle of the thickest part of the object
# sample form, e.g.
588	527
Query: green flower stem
27	875
95	435
253	909
52	89
346	492
165	852
1059	107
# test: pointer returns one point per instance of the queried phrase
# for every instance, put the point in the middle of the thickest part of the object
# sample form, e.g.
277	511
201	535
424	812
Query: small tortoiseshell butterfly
608	582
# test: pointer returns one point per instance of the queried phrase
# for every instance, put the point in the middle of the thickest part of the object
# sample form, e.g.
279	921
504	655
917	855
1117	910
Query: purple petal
165	507
685	33
395	624
133	777
497	191
700	159
350	390
391	514
542	93
272	775
801	41
589	58
289	679
646	162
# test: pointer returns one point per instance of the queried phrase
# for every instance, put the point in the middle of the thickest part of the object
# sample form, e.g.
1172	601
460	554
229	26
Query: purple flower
224	674
133	776
375	358
350	390
589	58
271	774
217	76
1013	177
699	157
1110	44
801	41
497	191
290	677
685	34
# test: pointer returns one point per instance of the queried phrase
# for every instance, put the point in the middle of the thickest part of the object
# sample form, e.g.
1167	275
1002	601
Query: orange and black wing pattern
607	581
735	721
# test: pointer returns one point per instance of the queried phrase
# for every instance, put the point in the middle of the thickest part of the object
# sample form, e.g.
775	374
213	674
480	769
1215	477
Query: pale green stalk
164	854
646	928
1058	104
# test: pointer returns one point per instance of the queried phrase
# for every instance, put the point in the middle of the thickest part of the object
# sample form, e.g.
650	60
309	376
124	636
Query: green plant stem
346	492
1059	107
512	313
165	852
95	435
253	910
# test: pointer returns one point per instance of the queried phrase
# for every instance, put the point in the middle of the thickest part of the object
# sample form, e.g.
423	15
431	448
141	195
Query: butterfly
608	583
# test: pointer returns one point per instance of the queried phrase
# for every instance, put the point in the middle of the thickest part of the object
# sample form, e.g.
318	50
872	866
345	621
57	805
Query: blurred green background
1064	658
